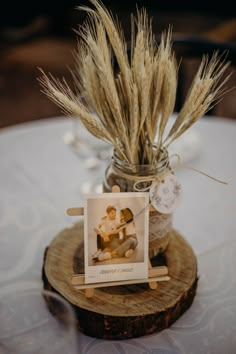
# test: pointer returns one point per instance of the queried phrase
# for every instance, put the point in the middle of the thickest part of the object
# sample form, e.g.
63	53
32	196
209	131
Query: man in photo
107	235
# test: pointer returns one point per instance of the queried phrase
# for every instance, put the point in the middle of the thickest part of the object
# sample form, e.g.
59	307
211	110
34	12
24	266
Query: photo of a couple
115	240
116	236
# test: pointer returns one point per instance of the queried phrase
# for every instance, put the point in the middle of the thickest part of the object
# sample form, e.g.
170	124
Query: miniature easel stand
155	274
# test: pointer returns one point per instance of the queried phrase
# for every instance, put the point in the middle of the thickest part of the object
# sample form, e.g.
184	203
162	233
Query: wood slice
122	312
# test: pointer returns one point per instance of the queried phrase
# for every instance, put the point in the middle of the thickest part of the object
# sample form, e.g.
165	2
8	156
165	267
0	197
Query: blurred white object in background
85	145
187	147
92	152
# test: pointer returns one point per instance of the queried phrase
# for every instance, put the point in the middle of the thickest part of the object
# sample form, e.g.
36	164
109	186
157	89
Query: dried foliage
133	105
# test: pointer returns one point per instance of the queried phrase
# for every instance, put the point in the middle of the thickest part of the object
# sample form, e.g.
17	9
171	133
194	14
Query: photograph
116	236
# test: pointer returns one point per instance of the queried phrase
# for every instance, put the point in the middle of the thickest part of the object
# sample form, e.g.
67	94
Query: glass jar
126	176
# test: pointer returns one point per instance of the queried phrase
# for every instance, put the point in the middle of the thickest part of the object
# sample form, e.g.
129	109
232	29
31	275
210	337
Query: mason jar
130	176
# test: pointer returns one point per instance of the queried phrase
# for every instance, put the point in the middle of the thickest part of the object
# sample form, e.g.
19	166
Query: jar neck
142	170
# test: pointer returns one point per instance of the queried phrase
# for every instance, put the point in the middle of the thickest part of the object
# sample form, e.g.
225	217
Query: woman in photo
129	241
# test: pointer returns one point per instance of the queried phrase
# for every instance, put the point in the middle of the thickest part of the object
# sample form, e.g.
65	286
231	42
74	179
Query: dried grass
133	105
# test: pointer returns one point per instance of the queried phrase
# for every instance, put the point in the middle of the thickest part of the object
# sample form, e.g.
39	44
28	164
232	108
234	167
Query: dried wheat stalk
132	106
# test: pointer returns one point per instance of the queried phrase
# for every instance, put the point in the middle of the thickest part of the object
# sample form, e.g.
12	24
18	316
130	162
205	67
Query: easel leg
89	292
152	284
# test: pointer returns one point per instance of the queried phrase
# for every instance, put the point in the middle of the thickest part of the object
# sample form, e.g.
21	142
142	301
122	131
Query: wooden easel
155	274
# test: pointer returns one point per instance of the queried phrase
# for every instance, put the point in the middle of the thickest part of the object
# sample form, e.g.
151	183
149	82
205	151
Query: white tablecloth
41	177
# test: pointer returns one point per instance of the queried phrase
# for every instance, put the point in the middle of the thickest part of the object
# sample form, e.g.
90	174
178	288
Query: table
41	177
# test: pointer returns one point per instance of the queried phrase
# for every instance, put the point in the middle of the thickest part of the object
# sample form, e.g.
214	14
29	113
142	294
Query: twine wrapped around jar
126	175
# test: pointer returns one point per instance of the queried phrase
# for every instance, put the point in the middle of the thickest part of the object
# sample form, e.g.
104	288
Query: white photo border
139	201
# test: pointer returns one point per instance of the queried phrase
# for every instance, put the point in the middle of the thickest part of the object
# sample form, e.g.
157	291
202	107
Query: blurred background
40	34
